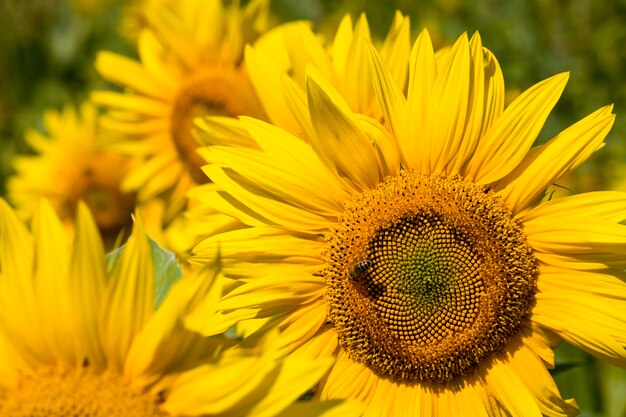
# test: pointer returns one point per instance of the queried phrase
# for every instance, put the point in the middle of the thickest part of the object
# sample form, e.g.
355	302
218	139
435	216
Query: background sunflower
49	48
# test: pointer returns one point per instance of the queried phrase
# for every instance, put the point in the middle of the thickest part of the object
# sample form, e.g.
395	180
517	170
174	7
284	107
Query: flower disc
77	393
427	277
219	91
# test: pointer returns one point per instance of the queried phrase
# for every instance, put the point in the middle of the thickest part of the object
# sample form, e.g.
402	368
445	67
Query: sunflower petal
603	206
595	327
396	49
129	298
448	106
507	141
88	261
387	90
127	72
505	385
337	135
422	74
540	384
528	182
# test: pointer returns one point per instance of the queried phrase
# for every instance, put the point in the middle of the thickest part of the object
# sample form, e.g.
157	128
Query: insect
359	270
558	186
360	276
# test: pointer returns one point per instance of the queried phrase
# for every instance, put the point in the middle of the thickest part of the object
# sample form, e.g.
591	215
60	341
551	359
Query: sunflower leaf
166	269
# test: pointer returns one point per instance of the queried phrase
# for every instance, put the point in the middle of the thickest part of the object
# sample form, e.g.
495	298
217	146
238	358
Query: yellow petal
422	74
485	101
337	135
591	324
388	91
129	73
132	103
129	299
572	238
447	108
297	374
305	50
218	130
332	408
88	261
341	44
540	384
273	294
164	342
510	137
262	204
505	385
289	149
603	206
55	302
527	183
262	245
396	49
355	85
266	76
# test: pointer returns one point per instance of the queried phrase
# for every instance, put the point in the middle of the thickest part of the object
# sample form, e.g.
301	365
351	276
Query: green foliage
166	269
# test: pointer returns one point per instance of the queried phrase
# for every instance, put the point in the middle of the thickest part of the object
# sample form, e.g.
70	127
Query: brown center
78	393
215	91
427	276
97	183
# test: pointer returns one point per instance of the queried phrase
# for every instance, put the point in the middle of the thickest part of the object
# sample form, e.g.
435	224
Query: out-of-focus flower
190	64
82	339
71	165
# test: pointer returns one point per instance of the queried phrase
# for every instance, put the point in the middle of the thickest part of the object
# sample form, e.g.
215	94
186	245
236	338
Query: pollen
52	392
427	276
212	91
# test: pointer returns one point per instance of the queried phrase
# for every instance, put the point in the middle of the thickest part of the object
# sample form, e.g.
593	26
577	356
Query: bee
360	270
362	281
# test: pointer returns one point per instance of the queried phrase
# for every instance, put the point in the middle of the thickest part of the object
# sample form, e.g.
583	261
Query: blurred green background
47	50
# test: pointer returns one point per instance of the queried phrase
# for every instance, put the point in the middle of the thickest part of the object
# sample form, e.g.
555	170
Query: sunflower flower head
420	248
190	64
80	338
72	164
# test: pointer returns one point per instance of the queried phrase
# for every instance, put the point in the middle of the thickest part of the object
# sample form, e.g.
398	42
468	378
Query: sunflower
423	251
294	48
71	164
78	338
190	65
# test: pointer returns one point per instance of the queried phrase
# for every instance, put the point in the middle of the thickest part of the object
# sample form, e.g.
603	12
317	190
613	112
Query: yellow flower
78	338
419	251
189	65
70	165
293	48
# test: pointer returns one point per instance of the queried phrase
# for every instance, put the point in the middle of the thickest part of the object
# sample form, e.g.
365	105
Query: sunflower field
312	208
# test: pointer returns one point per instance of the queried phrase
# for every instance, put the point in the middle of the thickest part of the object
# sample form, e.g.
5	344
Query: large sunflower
190	65
70	165
423	252
80	339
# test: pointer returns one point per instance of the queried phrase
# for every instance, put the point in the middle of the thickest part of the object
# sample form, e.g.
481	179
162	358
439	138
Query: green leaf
576	376
166	269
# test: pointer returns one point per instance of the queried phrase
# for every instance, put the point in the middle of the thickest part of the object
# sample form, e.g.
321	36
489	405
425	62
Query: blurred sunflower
423	252
71	165
190	65
79	339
